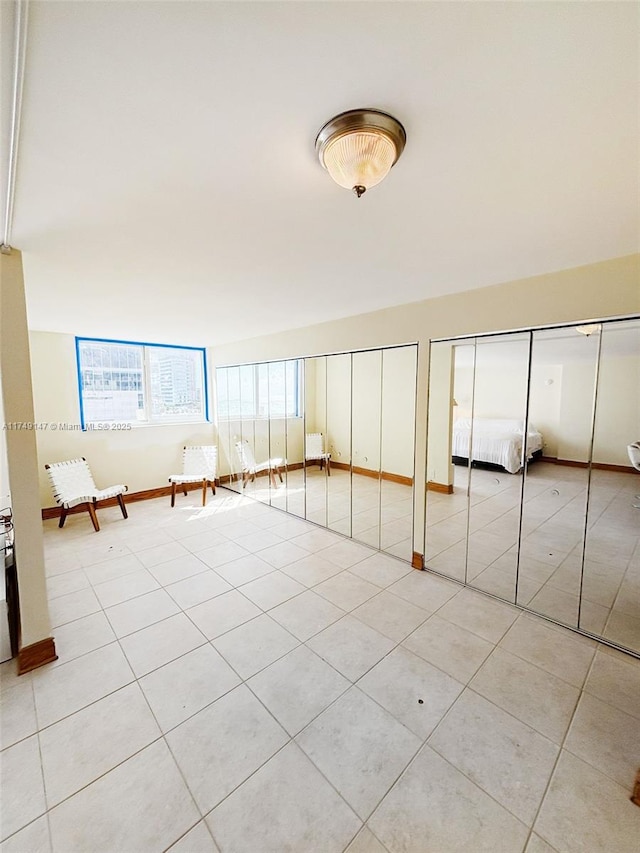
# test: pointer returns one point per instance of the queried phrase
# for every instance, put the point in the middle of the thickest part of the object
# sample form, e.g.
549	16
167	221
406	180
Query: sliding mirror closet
328	438
532	495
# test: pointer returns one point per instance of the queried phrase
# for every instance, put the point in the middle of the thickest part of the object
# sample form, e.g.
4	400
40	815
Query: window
254	391
140	383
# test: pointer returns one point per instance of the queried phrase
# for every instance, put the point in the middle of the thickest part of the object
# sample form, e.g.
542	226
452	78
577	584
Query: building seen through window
140	383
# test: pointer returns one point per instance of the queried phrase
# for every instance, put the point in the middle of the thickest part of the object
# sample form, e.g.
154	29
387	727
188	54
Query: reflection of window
140	383
259	390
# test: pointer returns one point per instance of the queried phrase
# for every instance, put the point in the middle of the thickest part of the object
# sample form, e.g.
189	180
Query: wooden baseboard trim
375	475
165	491
365	472
397	478
129	497
598	466
37	654
442	488
417	561
237	478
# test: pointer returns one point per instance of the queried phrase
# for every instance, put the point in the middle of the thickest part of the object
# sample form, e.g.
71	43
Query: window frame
255	416
146	386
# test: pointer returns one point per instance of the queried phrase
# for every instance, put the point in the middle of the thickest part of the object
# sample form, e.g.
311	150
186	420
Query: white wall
617	421
544	405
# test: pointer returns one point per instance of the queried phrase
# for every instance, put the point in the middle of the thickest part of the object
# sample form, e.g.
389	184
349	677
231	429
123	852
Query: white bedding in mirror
495	440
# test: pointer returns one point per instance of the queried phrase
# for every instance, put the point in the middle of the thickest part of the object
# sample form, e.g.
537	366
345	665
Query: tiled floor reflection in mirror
232	678
553	527
370	511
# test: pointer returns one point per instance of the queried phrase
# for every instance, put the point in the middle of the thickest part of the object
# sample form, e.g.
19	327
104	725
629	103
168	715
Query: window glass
140	383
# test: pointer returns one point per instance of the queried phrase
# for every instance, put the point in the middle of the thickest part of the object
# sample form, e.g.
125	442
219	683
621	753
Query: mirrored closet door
337	442
530	484
366	407
328	438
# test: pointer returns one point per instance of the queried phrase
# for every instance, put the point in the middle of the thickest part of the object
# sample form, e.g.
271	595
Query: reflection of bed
496	441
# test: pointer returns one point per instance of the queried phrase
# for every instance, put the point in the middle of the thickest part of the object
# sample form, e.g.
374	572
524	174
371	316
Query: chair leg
204	492
63	517
328	467
279	470
212	483
173	494
94	518
272	477
122	506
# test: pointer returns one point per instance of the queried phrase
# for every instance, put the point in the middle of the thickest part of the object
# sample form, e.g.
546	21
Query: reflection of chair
250	467
634	455
73	485
199	465
314	450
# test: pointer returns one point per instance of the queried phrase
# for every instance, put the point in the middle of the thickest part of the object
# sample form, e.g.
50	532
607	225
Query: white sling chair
250	467
314	450
199	465
72	484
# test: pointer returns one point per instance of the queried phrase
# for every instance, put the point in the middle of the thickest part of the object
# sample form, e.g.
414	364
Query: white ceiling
168	188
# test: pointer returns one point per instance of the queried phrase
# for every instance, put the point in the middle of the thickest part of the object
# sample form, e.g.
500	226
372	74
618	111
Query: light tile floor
232	679
603	600
378	514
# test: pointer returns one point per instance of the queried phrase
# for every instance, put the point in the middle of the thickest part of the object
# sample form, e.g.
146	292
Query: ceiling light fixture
359	147
588	329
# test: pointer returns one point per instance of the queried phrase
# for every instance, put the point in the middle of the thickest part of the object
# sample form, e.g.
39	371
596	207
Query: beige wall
398	410
5	496
382	409
606	289
439	465
617	422
338	408
142	457
21	452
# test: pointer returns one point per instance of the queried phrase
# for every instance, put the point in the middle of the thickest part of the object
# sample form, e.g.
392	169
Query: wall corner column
36	646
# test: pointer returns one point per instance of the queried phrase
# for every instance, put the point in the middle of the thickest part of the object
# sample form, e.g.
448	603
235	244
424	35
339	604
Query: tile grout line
559	755
350	612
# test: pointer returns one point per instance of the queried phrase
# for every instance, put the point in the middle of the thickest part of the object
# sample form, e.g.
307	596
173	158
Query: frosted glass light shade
359	147
588	329
359	159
